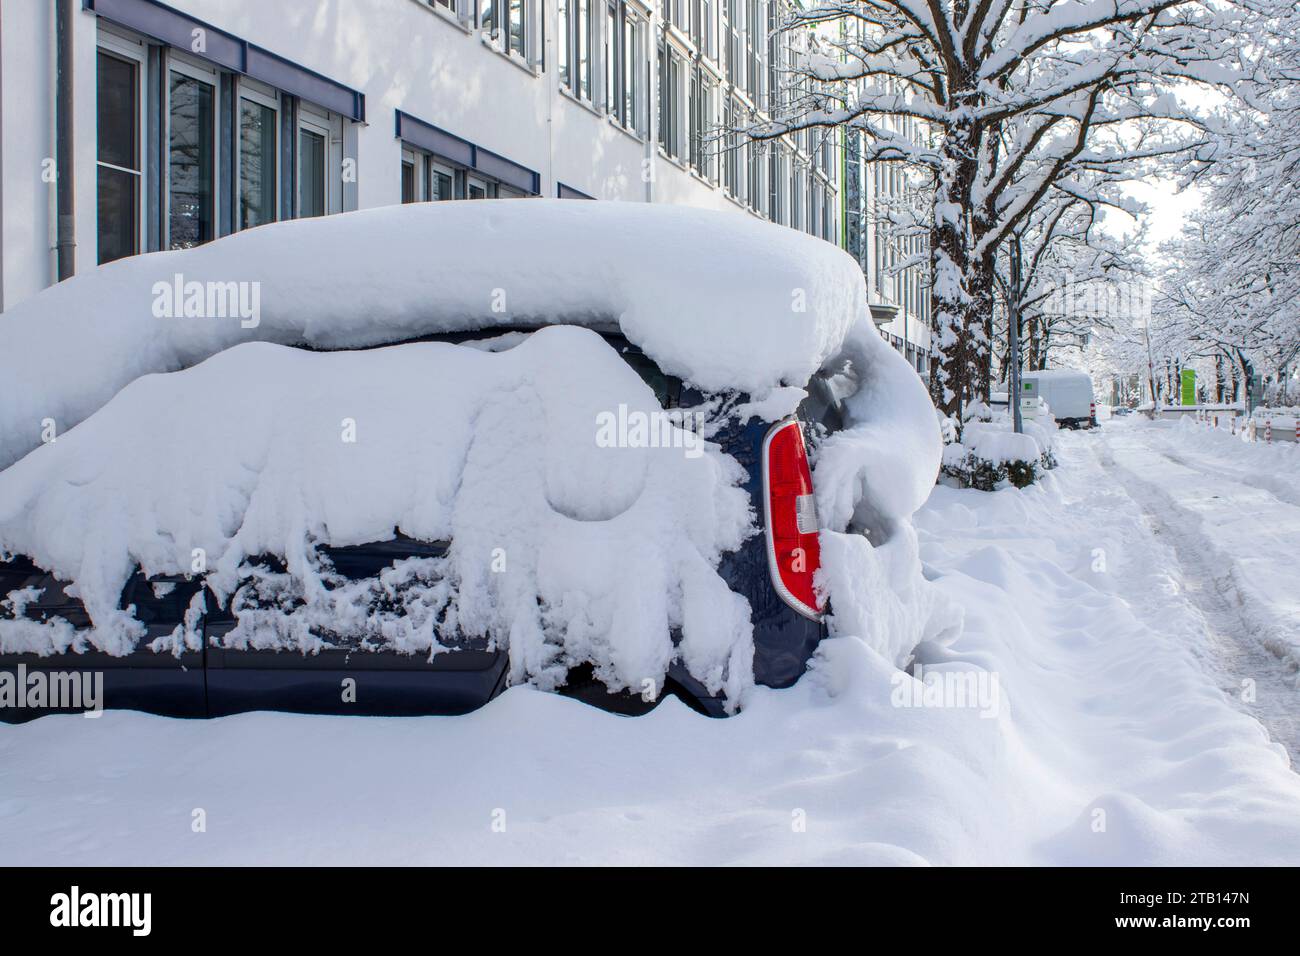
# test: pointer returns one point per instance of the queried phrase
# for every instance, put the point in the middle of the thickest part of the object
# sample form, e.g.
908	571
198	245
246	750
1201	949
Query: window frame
178	62
316	119
136	53
259	94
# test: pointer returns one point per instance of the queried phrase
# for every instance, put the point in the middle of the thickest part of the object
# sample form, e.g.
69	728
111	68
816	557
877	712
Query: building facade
187	120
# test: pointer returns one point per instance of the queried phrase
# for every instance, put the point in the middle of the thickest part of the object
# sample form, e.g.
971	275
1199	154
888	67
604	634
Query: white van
1068	394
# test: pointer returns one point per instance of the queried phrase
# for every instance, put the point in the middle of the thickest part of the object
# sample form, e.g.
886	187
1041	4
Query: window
576	22
311	173
410	192
258	142
517	36
442	182
775	185
755	17
797	195
730	175
671	86
615	46
118	171
191	148
582	26
575	26
186	152
506	21
702	29
732	41
427	177
703	152
636	65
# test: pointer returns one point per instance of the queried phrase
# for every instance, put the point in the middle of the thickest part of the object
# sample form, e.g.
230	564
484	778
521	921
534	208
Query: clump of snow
562	550
720	300
869	478
876	472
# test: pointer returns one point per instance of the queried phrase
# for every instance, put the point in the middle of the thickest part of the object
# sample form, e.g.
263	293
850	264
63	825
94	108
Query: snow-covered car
423	466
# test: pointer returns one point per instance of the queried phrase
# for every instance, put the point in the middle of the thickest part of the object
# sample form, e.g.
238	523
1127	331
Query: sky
1167	209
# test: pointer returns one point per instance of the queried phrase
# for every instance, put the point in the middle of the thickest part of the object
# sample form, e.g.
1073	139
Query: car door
160	676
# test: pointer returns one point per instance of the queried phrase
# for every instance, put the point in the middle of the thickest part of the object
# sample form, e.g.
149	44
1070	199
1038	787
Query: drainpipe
2	174
66	232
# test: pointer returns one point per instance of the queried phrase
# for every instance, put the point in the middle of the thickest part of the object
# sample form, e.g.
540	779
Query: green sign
1188	381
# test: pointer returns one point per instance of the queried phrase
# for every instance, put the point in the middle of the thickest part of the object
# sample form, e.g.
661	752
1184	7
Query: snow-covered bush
991	454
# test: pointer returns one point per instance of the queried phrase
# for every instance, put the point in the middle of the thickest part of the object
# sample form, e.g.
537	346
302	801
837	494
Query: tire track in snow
1240	651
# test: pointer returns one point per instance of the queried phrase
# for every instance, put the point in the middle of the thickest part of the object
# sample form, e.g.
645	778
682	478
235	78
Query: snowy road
1233	529
1118	606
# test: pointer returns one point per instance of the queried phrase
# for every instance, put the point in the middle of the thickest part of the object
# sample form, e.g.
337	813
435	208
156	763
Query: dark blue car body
214	681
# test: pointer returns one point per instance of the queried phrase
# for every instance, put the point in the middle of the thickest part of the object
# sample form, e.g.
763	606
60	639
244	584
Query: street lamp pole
1013	325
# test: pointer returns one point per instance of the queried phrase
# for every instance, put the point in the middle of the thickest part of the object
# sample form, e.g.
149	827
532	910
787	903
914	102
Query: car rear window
822	406
667	389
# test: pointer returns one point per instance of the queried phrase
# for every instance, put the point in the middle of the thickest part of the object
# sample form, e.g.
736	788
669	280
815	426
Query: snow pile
715	298
869	479
886	460
561	549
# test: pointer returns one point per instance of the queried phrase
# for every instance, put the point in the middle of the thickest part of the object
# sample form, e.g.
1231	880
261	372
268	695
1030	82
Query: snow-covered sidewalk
1230	514
1102	734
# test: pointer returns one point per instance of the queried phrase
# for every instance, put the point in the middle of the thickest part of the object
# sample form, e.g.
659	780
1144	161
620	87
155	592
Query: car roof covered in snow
719	299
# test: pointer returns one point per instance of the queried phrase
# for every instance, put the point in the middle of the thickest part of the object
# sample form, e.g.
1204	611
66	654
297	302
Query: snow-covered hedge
991	454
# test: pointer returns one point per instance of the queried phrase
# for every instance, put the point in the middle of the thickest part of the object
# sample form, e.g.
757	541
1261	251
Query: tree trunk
982	305
955	335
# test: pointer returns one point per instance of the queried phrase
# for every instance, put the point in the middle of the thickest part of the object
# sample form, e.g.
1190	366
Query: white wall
26	77
401	54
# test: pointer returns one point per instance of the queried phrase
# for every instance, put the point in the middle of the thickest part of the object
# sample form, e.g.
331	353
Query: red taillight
793	552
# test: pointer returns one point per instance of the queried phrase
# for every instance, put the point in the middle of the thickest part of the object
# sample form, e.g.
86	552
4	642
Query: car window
667	389
48	598
159	600
822	406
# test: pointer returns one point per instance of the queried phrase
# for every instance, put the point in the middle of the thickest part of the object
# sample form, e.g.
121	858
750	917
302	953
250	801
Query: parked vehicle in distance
1067	392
